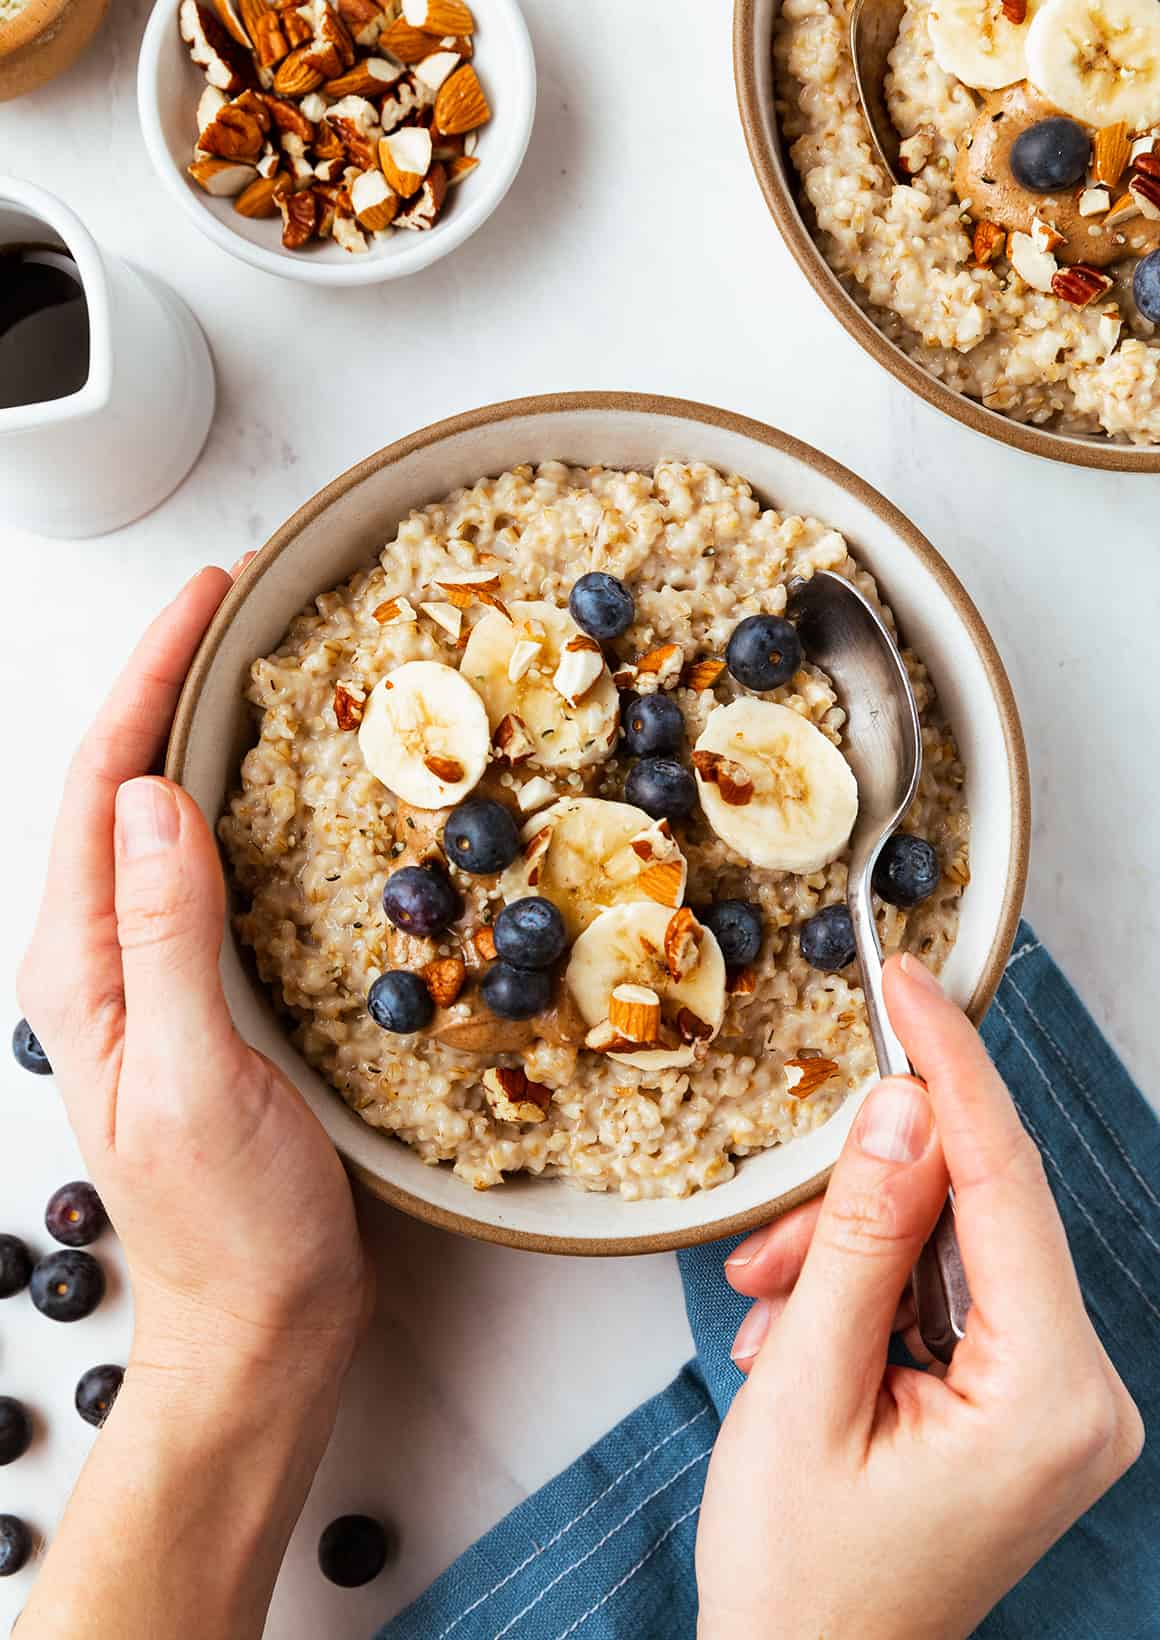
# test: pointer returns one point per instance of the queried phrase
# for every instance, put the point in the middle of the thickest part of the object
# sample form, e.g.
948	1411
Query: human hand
848	1498
233	1209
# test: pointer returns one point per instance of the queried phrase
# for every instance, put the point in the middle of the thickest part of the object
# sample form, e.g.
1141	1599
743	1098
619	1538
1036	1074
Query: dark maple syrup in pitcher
44	326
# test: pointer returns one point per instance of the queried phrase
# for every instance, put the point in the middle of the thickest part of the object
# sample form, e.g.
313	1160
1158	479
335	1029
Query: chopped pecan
692	1029
484	941
1080	284
444	979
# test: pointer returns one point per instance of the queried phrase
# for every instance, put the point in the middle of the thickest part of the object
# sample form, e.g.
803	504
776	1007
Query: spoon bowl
846	637
874	28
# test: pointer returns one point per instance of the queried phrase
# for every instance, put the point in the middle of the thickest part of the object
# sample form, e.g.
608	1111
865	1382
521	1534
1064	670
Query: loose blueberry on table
764	652
653	725
827	939
420	900
906	872
530	933
75	1215
67	1286
28	1051
516	993
601	605
661	787
353	1550
481	837
96	1391
15	1266
1051	155
400	1002
737	926
15	1430
15	1545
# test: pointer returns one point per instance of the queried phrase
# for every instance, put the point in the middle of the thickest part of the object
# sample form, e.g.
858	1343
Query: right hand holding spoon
849	1498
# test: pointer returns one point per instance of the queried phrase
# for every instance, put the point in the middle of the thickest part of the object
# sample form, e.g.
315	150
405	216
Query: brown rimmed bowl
343	528
753	69
42	40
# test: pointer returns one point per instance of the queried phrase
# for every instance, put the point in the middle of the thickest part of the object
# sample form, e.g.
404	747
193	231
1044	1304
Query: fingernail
920	974
751	1333
746	1252
147	819
894	1125
243	562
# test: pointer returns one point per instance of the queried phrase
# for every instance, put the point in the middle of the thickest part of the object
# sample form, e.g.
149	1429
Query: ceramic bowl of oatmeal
1009	278
40	39
535	811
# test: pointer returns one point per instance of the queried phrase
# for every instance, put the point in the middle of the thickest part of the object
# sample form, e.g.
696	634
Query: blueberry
737	925
67	1286
96	1392
353	1550
1050	155
601	605
400	1002
516	993
15	1430
653	724
763	652
481	836
1146	286
420	900
907	871
15	1545
75	1214
827	939
15	1266
530	933
29	1053
662	788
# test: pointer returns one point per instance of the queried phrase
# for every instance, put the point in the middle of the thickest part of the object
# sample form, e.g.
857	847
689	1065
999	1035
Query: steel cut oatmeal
1020	260
542	841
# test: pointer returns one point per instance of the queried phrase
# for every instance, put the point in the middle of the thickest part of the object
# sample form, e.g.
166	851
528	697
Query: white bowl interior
169	86
346	534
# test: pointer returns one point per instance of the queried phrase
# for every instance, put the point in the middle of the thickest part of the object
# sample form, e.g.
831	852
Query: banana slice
972	40
585	854
1098	60
425	735
568	730
773	787
626	946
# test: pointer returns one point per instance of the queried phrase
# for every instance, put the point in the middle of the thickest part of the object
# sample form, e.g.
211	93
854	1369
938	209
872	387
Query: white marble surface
634	252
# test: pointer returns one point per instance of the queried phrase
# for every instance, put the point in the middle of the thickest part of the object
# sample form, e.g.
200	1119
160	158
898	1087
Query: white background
633	252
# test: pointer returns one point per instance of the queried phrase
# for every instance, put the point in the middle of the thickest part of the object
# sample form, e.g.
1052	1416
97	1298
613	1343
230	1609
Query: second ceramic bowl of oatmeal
340	144
536	813
1012	278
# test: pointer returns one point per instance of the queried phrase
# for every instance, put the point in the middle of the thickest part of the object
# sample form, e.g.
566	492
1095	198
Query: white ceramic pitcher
105	455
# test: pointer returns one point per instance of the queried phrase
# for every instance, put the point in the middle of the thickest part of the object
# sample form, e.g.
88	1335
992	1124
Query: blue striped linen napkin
605	1551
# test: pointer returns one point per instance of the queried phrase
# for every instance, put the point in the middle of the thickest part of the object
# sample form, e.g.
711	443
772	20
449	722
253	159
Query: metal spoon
883	741
874	28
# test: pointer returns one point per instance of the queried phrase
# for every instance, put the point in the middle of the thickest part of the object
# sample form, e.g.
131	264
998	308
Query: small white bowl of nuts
340	142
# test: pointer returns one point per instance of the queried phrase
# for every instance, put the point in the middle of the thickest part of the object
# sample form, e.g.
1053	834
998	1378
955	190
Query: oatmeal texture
312	836
903	252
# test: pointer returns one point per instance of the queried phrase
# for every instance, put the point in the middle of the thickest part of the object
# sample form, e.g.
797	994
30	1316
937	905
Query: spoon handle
941	1294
